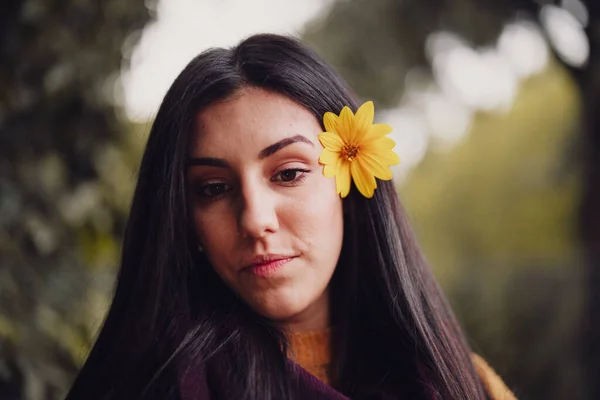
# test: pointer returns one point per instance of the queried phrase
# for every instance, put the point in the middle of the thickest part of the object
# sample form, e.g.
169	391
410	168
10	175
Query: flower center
350	151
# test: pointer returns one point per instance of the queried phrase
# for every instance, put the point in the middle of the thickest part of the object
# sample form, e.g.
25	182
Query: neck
314	318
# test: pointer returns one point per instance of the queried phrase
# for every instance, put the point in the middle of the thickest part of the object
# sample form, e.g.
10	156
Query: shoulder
493	383
193	381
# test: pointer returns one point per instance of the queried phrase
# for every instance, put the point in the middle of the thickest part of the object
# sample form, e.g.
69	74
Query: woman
252	269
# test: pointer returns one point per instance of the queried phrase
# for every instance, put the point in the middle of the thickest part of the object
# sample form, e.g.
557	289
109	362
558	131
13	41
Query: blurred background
493	105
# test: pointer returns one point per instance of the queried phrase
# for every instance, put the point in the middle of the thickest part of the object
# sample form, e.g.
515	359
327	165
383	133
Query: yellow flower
356	149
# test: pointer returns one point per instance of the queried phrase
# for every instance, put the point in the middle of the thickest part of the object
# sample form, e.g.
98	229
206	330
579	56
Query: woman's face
268	220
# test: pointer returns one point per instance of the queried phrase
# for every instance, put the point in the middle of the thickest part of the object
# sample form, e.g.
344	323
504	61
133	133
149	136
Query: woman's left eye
290	176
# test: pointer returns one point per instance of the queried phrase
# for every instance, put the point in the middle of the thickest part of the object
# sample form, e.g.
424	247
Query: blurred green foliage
67	167
508	193
374	44
495	216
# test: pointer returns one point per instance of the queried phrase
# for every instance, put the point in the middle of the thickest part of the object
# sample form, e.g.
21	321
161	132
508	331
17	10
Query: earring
200	248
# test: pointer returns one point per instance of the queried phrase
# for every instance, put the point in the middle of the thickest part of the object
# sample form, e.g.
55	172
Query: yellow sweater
311	350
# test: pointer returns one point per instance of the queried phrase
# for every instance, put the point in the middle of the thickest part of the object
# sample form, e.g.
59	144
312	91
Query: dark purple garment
194	385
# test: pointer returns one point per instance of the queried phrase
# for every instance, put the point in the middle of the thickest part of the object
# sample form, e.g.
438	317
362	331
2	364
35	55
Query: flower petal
372	164
346	125
355	137
330	120
328	157
377	131
389	158
364	119
363	179
331	141
342	179
330	170
378	146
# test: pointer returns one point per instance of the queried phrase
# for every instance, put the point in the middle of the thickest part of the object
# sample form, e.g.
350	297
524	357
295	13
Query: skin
248	200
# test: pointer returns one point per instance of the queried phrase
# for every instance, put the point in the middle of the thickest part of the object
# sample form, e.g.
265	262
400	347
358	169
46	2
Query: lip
266	265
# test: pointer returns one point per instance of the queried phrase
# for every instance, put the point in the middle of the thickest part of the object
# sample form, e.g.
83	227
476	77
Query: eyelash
294	182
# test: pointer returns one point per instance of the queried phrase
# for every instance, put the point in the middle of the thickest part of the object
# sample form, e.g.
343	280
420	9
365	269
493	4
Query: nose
258	216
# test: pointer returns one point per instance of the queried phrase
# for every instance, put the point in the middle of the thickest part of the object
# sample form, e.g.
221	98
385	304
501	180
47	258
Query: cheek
215	233
202	223
317	222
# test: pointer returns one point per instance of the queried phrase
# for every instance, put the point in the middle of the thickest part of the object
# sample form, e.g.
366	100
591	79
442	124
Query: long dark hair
394	333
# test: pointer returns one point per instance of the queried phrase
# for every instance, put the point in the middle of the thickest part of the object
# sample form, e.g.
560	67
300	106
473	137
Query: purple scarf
194	385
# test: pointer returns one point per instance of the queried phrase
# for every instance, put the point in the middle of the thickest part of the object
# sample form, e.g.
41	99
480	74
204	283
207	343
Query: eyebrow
274	148
207	161
266	152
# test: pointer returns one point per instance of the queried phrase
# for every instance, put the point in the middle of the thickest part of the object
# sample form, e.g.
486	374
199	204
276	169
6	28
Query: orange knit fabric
494	384
312	351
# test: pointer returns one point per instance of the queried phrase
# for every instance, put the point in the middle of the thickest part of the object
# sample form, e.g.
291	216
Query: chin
280	307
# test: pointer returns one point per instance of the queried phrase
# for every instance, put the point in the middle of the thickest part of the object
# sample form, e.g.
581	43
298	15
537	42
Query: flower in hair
356	149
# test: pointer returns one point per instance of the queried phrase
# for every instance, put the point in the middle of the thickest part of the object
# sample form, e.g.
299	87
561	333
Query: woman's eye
290	176
214	189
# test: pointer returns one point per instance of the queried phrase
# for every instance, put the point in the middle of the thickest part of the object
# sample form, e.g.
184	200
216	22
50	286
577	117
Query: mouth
268	264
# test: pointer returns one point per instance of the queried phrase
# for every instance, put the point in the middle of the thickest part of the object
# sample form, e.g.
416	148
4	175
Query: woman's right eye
213	190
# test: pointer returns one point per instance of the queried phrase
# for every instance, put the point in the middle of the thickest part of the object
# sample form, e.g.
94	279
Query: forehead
253	118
